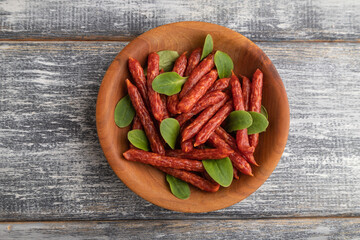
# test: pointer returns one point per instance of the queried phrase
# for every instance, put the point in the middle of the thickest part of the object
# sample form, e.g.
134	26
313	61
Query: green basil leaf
169	129
178	187
124	112
259	124
221	170
138	138
238	120
168	83
264	112
167	59
224	64
208	46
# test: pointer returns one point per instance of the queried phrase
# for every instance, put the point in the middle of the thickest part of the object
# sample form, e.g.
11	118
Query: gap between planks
186	219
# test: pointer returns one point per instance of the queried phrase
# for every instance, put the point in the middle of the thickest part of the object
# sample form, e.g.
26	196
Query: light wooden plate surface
150	183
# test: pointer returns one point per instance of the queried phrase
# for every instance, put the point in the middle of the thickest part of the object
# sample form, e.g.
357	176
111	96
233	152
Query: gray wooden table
54	179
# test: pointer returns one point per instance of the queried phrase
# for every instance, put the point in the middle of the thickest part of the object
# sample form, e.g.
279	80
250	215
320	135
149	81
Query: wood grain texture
52	167
187	229
118	20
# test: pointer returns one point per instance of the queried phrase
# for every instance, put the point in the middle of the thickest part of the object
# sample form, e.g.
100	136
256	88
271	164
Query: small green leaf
168	83
238	120
167	59
169	129
264	112
208	46
224	64
259	124
124	112
178	187
138	138
221	170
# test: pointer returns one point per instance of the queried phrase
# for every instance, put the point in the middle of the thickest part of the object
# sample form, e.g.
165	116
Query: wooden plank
187	229
52	167
113	20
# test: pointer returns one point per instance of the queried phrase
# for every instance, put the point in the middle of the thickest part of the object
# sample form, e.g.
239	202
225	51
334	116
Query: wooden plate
150	183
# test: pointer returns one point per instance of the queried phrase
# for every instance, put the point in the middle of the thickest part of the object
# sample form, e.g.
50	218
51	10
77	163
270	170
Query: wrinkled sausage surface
201	69
137	72
179	68
255	101
192	178
187	146
193	61
145	118
158	108
213	124
237	160
194	127
209	99
220	85
242	139
232	143
163	161
200	154
246	91
198	91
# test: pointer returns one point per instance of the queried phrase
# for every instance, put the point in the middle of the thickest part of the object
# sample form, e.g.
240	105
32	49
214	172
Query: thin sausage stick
236	93
163	98
137	72
136	125
194	127
242	139
194	60
201	154
232	143
158	108
213	124
141	111
193	179
203	68
237	160
246	91
188	145
241	164
180	64
179	68
220	85
209	99
226	137
155	159
171	104
196	92
255	101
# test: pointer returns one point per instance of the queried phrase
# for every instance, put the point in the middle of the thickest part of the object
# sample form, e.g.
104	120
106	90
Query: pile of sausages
200	108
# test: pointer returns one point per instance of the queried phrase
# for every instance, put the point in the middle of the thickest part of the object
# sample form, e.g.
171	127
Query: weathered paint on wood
52	167
187	229
118	20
